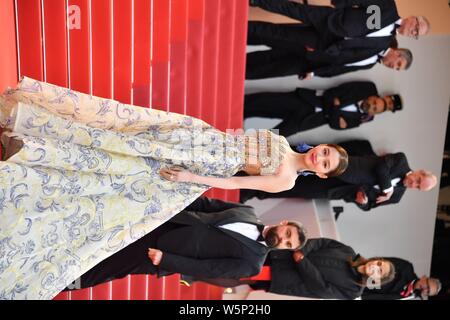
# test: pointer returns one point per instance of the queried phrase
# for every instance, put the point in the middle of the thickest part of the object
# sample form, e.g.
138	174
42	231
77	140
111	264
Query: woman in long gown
92	175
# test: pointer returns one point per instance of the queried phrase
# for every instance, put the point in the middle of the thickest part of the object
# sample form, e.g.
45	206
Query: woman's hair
359	261
343	161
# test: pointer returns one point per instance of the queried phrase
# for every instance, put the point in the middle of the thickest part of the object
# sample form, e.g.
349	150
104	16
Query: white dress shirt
386	31
394	183
350	108
246	229
380	33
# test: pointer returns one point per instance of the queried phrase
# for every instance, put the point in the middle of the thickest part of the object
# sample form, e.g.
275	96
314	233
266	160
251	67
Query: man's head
286	235
428	287
374	105
398	59
421	180
414	27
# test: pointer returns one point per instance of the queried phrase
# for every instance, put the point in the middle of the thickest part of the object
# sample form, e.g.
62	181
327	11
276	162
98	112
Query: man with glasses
406	284
348	35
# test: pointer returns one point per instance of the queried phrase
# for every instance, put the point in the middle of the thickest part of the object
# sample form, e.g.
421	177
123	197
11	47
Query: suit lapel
398	194
231	214
217	219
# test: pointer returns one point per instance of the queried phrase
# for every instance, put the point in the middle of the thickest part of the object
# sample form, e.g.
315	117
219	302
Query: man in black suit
383	180
330	41
406	284
369	181
209	239
343	107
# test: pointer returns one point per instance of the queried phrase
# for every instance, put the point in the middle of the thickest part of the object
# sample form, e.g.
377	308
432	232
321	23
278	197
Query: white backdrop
404	230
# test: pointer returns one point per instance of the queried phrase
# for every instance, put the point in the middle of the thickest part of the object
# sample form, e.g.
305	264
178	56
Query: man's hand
385	197
155	255
298	256
306	76
342	123
361	198
336	102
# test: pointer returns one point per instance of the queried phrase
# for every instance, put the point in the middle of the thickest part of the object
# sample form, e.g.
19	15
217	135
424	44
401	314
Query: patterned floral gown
86	182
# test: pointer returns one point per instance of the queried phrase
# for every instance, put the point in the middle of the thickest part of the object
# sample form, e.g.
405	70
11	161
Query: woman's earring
303	147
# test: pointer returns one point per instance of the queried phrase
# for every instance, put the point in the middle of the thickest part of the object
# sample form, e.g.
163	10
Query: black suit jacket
192	244
404	275
333	62
358	148
324	272
347	93
209	251
336	70
350	21
375	170
347	192
333	51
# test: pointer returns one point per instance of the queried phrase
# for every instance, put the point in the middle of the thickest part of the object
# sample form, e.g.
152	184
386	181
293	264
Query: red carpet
185	56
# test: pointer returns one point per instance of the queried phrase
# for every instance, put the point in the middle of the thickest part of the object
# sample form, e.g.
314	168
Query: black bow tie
381	56
260	229
394	32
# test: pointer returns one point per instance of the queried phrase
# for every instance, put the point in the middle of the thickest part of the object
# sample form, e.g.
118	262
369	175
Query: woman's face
322	160
377	269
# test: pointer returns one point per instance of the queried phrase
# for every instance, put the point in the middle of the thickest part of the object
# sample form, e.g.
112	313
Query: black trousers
294	37
309	15
132	259
275	63
297	115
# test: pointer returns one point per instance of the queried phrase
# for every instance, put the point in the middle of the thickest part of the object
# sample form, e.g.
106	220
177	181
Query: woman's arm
272	183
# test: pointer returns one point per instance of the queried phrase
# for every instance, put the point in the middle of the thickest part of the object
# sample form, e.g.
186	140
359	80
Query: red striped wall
8	49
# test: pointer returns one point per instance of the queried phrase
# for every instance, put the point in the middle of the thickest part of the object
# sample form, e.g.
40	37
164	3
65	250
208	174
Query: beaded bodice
264	152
